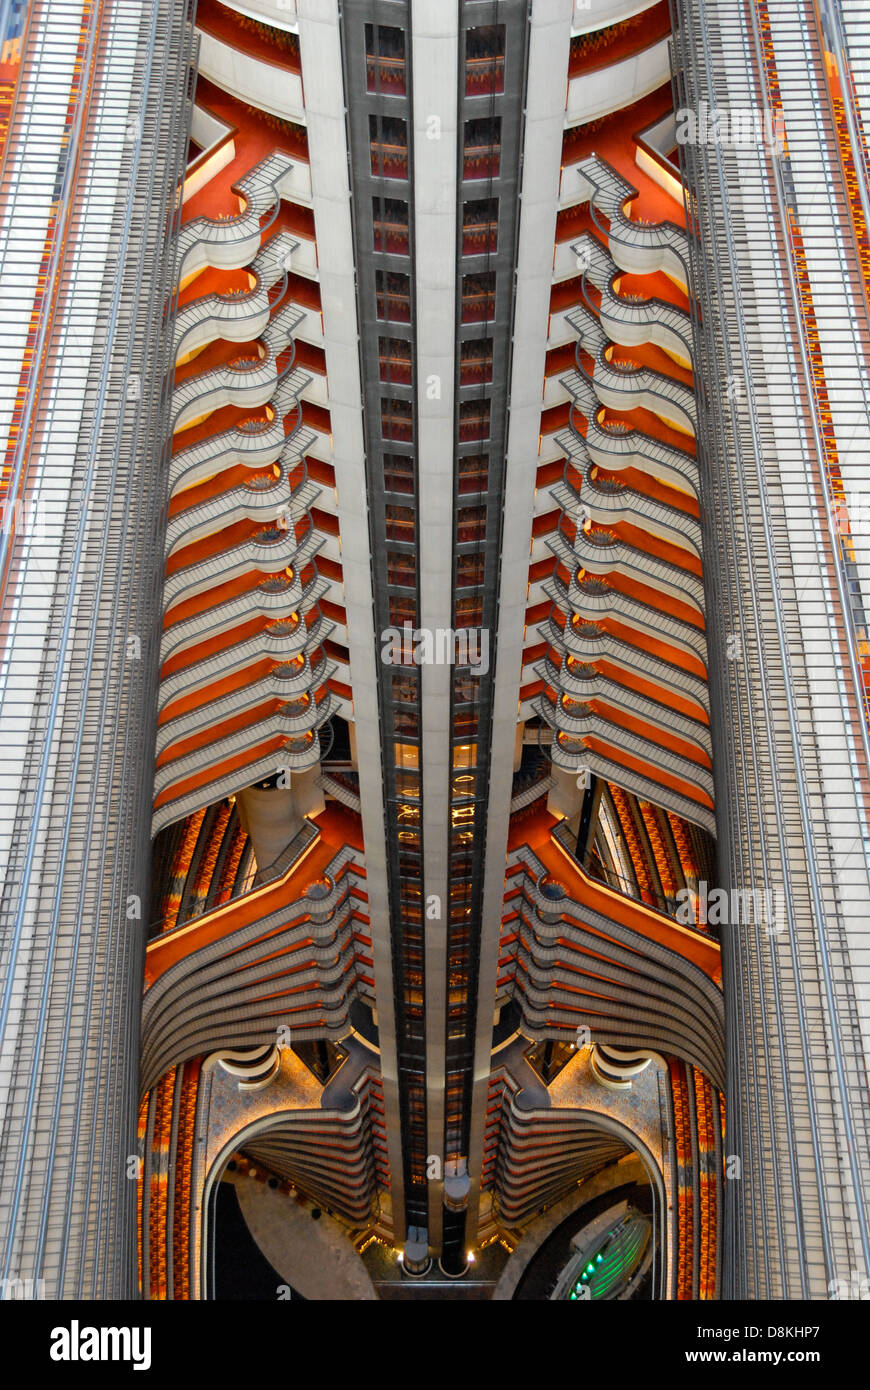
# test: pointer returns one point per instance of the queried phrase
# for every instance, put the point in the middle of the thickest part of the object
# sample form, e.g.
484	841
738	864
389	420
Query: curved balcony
253	554
678	523
232	448
616	1068
227	781
302	713
210	641
630	321
640	979
631	575
289	1147
253	1068
611	30
624	1005
280	13
637	247
220	983
685	759
555	987
298	750
654	748
651	640
294	752
323	969
252	70
267	506
245	382
639	766
257	600
594	685
596	604
587	19
238	447
623	559
624	385
238	315
231	242
543	856
623	447
299	709
583	681
610	507
543	1155
633	321
597	93
289	646
641	668
268	498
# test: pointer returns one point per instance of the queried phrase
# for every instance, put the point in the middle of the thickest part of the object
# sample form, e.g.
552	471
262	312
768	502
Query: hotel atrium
435	817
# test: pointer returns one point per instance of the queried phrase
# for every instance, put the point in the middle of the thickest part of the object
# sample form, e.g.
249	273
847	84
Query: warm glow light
465	755
407	755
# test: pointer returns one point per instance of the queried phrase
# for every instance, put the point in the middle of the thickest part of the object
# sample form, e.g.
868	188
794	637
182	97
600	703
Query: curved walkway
315	1257
628	1170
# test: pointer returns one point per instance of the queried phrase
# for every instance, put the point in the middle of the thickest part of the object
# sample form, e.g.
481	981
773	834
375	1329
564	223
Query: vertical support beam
435	74
320	45
542	157
82	241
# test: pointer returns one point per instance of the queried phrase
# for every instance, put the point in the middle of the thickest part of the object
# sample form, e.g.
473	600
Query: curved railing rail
598	644
230	241
662	245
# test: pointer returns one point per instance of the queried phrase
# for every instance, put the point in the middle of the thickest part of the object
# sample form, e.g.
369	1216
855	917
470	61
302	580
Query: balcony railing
399	530
396	307
248	35
472	477
396	369
479	237
400	573
474	426
385	74
617	42
475	369
481	161
392	237
478	306
471	531
484	75
397	427
389	161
